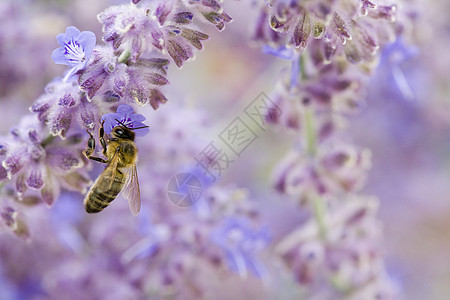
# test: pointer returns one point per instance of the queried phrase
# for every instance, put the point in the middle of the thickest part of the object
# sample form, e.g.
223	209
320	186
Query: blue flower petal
236	262
255	266
76	48
137	118
59	56
109	121
62	39
71	72
72	31
125	110
141	131
87	39
125	115
282	52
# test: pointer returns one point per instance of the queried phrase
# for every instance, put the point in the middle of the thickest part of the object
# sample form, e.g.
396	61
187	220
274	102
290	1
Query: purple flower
102	65
241	244
38	165
13	220
211	11
288	54
63	106
145	81
127	117
76	48
356	31
281	52
393	57
129	29
136	82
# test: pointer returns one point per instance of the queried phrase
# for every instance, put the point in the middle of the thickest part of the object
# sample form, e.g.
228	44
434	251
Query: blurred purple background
407	132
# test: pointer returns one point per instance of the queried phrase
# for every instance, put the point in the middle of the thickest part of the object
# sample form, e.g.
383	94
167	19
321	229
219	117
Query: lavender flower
13	220
342	247
125	116
241	245
393	57
132	32
75	51
212	11
332	39
342	28
40	166
337	169
102	65
63	107
136	82
146	79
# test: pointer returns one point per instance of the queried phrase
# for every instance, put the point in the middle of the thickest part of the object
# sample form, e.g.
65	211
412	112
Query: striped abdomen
103	192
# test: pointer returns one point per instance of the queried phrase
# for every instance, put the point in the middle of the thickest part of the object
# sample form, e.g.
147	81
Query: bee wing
109	173
131	190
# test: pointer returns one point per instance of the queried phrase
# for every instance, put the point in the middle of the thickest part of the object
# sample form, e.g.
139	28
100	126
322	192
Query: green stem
310	132
48	140
338	283
124	56
303	74
319	214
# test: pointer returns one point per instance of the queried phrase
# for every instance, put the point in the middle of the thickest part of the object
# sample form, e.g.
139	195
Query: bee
120	173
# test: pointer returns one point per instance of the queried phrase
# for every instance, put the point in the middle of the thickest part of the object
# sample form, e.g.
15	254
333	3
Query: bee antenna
130	127
140	127
122	124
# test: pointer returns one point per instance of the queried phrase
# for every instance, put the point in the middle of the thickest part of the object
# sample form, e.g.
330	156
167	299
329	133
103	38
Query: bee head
123	132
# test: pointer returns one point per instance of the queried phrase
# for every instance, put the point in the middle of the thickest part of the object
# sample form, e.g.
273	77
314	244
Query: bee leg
102	140
90	145
90	149
99	159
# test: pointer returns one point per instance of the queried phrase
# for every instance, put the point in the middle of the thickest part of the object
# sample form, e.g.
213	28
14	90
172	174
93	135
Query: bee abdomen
98	199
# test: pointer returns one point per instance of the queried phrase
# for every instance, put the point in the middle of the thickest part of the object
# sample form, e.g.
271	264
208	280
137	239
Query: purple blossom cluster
337	169
38	165
164	252
333	47
130	67
154	255
355	29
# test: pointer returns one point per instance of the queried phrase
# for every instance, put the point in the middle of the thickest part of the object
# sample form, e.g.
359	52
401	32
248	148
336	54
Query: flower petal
35	177
59	56
72	32
127	117
124	110
88	40
110	121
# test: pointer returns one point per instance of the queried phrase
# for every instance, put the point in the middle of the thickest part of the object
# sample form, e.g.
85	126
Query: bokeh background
408	134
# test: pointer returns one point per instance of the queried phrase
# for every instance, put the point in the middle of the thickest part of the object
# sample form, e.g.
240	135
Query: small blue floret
127	117
76	48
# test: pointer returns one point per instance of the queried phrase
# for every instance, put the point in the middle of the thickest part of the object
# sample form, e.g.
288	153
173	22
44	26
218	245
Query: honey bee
120	173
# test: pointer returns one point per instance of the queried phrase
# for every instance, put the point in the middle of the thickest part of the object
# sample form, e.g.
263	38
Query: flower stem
295	70
319	214
124	56
303	74
310	132
48	140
